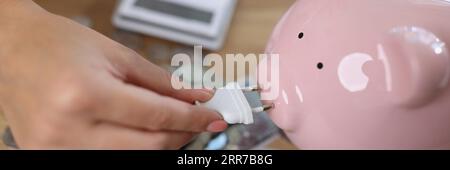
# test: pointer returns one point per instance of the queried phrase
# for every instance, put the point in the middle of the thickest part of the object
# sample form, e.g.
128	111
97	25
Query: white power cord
231	103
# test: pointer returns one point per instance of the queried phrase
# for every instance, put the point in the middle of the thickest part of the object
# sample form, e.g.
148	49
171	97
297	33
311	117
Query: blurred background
250	27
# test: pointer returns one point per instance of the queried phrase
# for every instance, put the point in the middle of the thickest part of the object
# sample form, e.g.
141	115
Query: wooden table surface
249	32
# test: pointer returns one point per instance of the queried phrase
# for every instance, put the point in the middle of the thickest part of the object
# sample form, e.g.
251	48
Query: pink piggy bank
364	74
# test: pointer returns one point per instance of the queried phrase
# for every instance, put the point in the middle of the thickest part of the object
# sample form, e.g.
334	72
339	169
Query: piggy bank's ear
418	66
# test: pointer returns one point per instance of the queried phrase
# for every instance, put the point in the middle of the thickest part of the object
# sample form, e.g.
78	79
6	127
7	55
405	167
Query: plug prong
262	108
252	89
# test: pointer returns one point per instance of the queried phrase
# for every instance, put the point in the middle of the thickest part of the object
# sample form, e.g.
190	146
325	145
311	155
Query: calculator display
177	10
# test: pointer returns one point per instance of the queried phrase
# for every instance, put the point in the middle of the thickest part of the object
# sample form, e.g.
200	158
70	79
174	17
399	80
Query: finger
113	136
140	108
141	72
192	95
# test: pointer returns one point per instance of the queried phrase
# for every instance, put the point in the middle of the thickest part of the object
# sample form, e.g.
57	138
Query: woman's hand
65	86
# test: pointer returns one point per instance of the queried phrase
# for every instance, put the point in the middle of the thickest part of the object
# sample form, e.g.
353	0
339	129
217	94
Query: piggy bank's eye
320	66
300	35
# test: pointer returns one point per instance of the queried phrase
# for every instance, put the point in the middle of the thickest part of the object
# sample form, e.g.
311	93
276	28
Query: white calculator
192	22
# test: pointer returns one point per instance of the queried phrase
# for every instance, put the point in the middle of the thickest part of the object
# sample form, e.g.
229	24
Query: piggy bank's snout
290	100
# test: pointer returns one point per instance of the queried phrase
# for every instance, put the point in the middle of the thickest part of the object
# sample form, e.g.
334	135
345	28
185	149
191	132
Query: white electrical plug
231	103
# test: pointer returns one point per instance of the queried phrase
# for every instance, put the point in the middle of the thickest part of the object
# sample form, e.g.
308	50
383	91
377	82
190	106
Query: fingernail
217	126
210	91
206	94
